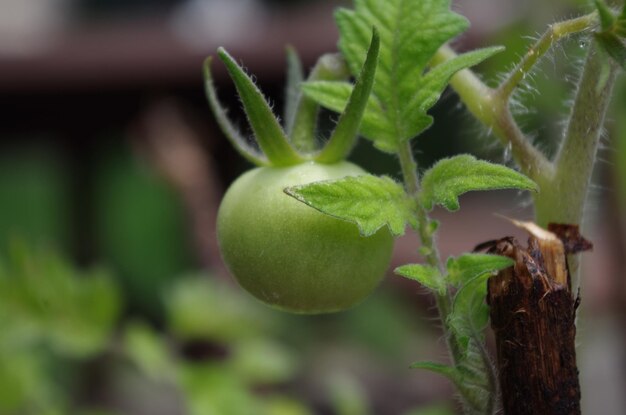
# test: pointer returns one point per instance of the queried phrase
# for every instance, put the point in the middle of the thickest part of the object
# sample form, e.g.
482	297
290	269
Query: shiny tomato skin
291	256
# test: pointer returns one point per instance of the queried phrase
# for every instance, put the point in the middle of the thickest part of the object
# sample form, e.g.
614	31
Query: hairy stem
424	230
492	110
492	106
555	32
565	196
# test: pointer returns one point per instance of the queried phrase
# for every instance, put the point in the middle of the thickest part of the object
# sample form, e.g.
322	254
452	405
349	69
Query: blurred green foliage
620	146
51	318
139	228
33	196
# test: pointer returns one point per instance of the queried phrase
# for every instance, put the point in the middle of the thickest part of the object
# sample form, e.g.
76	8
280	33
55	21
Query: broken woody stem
532	315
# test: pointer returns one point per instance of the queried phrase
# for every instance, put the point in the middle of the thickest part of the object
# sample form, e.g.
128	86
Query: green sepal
451	177
428	276
345	133
230	131
371	202
267	130
295	77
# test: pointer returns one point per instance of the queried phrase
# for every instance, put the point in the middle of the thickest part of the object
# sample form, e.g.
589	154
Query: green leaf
267	130
614	46
432	85
468	266
369	201
230	131
345	133
295	77
448	371
451	177
428	276
470	312
606	15
469	382
335	95
466	321
410	34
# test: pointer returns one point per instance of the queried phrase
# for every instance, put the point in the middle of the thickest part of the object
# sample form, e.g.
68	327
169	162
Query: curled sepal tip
230	131
344	136
267	130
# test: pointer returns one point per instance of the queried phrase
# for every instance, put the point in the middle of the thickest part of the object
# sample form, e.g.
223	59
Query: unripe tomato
291	256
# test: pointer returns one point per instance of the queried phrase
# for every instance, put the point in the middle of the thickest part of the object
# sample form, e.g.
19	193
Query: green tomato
291	256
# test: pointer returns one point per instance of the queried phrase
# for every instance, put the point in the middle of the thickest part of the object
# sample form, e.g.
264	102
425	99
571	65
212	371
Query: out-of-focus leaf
43	299
148	351
262	361
348	395
211	390
202	308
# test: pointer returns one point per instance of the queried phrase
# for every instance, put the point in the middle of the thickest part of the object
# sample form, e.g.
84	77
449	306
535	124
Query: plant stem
555	32
492	110
565	196
425	233
492	106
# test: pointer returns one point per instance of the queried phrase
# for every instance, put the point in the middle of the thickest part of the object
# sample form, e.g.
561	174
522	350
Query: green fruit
291	256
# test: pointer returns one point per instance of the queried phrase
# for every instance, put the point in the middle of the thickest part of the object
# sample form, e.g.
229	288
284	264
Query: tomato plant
389	105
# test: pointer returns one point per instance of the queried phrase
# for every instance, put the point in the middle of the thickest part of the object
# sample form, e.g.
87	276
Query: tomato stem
425	233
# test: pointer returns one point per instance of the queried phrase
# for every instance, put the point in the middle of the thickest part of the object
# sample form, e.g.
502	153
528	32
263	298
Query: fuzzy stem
492	106
555	32
492	110
564	199
444	303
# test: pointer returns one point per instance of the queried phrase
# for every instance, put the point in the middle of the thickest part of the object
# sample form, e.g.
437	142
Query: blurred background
113	298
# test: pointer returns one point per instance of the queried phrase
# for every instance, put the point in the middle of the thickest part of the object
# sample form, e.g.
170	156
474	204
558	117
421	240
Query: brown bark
532	314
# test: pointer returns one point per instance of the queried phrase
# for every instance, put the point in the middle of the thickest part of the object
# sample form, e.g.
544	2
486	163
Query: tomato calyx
277	146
